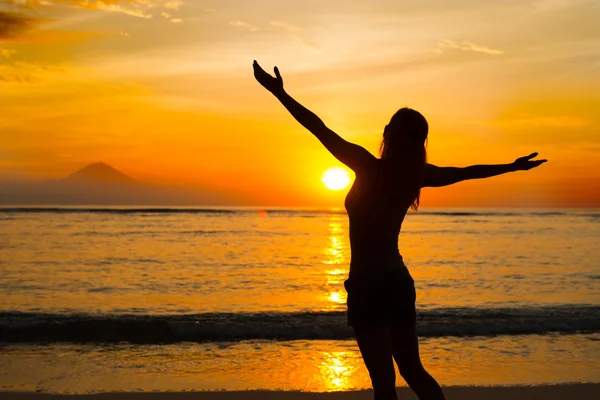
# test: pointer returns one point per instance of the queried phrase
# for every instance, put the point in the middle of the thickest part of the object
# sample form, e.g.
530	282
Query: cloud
173	4
18	78
464	46
480	49
249	27
532	121
170	18
243	25
31	72
111	7
287	27
309	44
293	31
546	5
7	53
17	26
13	25
563	121
134	8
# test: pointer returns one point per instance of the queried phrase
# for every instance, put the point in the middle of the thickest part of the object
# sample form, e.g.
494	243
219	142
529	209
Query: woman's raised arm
355	157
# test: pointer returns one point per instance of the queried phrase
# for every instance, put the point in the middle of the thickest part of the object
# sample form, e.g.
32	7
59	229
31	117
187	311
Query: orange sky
163	91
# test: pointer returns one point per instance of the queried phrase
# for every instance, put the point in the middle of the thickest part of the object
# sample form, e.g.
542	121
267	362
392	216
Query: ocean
98	299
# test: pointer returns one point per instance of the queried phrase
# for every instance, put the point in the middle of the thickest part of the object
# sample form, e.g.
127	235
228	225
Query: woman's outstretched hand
272	84
526	163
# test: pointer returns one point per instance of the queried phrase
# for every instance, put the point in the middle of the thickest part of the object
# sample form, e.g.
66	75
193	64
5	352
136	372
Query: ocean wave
283	211
166	210
18	327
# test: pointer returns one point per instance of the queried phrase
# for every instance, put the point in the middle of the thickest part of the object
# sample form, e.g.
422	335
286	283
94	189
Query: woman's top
376	210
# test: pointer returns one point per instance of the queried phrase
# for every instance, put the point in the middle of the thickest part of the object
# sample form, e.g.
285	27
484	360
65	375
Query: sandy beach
564	391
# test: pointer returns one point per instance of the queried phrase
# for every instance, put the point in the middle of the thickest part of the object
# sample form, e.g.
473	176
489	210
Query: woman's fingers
535	163
527	158
262	74
526	162
257	67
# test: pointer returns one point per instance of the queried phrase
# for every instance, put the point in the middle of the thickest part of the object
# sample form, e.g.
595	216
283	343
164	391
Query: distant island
101	184
99	172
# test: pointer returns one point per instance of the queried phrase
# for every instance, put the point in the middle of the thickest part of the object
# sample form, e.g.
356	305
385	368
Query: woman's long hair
406	137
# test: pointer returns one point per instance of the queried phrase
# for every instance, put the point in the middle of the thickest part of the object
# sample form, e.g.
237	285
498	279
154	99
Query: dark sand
562	392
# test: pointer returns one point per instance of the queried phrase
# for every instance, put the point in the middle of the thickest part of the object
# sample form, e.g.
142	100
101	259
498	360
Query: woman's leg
375	344
405	347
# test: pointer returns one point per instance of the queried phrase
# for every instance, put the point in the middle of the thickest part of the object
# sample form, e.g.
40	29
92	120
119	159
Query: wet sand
563	391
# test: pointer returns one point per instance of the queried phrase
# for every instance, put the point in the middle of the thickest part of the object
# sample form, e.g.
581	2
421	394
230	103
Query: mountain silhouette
101	184
99	172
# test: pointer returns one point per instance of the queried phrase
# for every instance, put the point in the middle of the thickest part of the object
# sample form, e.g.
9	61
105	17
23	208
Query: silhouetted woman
381	292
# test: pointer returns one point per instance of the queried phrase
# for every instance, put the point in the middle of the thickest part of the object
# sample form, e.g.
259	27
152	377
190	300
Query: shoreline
549	392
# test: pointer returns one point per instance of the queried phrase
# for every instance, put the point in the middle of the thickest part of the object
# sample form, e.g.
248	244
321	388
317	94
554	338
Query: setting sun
336	178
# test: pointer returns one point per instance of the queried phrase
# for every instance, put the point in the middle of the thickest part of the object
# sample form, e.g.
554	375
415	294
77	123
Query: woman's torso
376	206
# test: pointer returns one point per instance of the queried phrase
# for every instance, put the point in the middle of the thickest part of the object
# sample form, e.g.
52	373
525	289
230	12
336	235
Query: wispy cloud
18	18
173	4
31	72
7	53
564	121
308	44
244	25
170	18
134	12
464	46
291	30
12	25
286	26
134	8
18	78
538	121
546	5
294	30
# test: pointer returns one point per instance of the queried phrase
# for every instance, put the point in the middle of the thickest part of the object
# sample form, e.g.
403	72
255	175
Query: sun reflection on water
335	252
336	255
338	297
336	371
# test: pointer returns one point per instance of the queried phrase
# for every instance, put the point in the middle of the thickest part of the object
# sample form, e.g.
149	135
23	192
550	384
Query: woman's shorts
385	297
